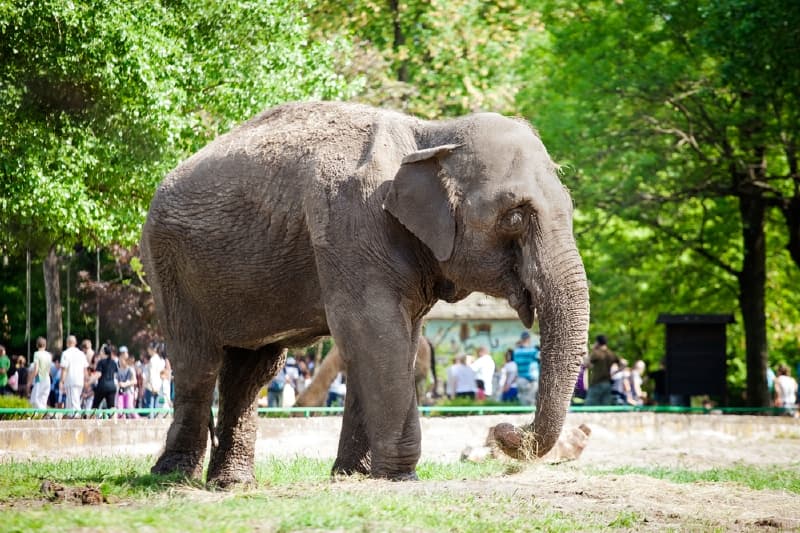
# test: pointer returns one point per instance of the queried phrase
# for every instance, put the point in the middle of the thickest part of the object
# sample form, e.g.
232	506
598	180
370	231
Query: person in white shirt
73	373
337	390
484	370
42	361
464	379
786	390
153	385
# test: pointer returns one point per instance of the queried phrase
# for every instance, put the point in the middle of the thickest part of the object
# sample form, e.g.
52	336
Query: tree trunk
52	289
791	213
399	39
752	300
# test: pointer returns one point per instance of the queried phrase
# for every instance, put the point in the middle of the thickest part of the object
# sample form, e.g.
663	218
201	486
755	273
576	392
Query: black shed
696	353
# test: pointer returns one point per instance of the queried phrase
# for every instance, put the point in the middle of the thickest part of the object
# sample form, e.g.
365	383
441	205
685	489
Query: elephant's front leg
384	414
353	456
243	373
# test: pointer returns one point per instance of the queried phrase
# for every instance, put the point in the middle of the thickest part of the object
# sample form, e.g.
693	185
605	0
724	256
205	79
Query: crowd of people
476	377
604	379
607	379
290	381
113	378
84	379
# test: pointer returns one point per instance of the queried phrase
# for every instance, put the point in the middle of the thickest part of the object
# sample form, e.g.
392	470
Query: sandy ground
580	489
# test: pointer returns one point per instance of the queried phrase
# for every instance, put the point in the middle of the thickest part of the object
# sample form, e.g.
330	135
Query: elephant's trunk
557	281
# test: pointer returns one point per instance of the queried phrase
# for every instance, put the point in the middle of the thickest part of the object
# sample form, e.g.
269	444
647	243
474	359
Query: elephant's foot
397	476
228	470
190	464
229	480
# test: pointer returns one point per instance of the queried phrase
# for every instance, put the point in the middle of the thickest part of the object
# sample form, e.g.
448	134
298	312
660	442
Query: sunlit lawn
291	495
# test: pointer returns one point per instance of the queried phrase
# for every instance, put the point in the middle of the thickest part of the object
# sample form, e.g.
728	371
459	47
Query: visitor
621	383
305	376
337	391
152	384
86	348
508	379
293	379
73	373
23	384
526	355
5	371
638	395
140	368
165	391
126	380
42	362
600	361
464	379
786	390
484	368
450	381
105	373
56	398
581	385
275	389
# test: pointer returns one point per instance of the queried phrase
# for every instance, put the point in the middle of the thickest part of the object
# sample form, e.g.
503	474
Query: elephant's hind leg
194	372
243	373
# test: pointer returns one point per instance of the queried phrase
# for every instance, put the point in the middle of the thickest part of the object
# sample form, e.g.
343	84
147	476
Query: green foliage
101	100
667	116
433	58
14	402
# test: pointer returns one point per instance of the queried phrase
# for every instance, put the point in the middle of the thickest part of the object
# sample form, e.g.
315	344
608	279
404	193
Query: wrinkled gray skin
328	218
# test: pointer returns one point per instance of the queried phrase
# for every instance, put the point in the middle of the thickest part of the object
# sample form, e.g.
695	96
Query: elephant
319	219
315	394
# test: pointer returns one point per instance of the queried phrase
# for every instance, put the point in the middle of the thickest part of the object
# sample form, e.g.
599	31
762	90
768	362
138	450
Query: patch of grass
627	520
125	477
461	470
298	496
755	477
119	477
320	508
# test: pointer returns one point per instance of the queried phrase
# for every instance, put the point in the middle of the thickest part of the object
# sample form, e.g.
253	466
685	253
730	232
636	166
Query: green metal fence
34	414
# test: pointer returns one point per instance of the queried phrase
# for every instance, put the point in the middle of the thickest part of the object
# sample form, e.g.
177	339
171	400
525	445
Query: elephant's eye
513	221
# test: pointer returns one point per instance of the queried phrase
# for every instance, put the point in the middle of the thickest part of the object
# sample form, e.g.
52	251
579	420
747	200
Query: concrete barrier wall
442	437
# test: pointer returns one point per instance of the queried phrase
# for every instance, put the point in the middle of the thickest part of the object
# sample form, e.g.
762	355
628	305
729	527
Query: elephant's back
282	149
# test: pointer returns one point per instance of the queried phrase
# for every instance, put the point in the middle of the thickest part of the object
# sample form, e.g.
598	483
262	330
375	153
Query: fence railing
434	410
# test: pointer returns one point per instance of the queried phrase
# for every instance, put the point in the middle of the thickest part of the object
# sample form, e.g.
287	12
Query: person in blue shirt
526	355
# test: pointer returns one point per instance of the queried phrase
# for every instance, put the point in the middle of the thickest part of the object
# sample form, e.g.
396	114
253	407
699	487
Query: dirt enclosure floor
577	487
589	486
593	485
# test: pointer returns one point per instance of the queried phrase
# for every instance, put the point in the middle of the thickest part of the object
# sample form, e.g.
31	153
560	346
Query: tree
433	58
683	118
101	99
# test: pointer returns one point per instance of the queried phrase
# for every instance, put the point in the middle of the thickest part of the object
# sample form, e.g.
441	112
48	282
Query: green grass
292	495
755	477
298	494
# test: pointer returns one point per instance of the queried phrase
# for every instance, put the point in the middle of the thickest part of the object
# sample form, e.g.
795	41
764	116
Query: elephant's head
486	200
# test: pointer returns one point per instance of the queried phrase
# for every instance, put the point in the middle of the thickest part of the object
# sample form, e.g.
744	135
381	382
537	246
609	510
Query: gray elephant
316	219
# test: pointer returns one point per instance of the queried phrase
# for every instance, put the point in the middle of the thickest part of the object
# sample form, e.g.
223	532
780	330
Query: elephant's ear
419	200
